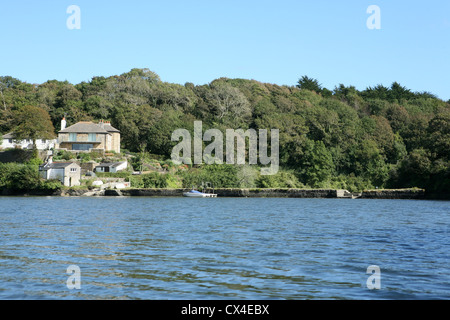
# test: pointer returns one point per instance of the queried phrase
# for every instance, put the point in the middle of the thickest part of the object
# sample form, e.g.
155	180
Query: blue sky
199	41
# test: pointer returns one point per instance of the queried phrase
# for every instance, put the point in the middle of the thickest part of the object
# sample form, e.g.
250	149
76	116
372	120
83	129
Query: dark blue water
223	248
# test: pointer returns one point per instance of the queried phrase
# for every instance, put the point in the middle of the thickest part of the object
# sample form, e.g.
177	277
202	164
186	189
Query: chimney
63	123
101	124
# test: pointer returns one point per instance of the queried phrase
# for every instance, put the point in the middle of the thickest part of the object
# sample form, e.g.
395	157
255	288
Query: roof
56	165
110	164
89	127
9	135
110	128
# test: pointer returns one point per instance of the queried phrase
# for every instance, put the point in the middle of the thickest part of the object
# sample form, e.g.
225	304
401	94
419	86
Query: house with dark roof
69	173
89	136
10	141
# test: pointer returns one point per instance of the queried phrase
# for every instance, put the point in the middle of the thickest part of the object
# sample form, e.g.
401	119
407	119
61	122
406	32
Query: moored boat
197	194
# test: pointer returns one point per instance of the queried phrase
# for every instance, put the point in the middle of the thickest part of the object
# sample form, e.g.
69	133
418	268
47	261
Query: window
72	137
73	169
10	140
92	137
82	146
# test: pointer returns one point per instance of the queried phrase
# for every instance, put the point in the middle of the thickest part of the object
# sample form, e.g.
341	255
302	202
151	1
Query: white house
111	167
41	144
69	173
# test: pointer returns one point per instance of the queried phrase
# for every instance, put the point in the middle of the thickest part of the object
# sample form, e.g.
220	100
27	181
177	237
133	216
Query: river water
223	248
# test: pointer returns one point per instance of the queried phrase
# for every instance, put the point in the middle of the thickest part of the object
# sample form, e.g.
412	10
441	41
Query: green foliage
155	180
367	162
24	178
84	157
220	176
35	161
282	179
64	155
351	183
33	123
120	174
379	136
307	83
316	165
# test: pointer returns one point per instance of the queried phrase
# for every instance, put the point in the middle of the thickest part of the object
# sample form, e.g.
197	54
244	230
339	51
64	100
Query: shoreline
408	193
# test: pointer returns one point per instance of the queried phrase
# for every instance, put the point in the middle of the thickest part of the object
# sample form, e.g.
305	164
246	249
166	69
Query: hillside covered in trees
385	137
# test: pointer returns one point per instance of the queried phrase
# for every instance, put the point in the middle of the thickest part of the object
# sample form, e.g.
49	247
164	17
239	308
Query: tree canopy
33	122
382	136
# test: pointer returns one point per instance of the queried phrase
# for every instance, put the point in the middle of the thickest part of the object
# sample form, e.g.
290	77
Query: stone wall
237	192
394	194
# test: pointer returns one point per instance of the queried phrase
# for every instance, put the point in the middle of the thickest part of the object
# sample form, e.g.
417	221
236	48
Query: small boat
197	194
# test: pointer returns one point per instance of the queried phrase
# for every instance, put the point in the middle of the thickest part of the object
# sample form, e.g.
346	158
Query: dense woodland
385	137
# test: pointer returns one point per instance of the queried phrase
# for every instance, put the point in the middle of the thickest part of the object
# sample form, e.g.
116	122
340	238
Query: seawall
281	193
242	192
237	192
394	194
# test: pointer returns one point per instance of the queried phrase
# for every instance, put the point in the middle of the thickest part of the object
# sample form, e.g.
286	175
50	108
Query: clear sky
199	41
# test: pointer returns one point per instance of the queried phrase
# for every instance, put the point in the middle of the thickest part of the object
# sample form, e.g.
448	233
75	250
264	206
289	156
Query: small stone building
69	173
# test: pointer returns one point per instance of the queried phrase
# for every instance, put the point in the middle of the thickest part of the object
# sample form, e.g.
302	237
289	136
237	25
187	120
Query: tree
439	136
3	97
228	102
415	169
246	175
5	83
309	84
33	123
143	73
316	165
292	134
367	161
378	92
399	92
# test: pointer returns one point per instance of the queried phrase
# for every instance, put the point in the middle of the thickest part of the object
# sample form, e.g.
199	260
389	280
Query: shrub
121	174
282	179
64	155
154	180
24	178
220	176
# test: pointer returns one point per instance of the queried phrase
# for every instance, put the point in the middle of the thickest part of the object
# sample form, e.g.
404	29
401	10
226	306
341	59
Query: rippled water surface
223	248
